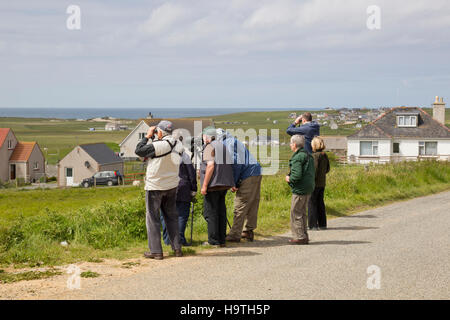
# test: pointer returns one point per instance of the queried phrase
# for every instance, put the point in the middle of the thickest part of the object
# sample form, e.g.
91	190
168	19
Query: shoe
298	241
314	229
322	228
156	256
186	244
231	239
206	243
222	245
178	253
248	235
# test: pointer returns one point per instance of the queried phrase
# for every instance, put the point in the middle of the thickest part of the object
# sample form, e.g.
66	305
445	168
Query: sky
223	53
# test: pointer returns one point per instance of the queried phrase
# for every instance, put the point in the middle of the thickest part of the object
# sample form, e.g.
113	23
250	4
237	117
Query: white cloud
164	17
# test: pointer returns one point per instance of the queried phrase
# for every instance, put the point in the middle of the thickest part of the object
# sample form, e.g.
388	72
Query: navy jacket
309	130
188	180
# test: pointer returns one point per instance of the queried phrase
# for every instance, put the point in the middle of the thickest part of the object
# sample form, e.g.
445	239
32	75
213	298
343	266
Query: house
336	144
402	133
189	128
333	125
86	160
20	160
112	126
264	141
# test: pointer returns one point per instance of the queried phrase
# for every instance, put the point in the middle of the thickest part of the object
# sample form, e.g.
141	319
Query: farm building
403	133
112	126
20	160
336	144
188	127
86	160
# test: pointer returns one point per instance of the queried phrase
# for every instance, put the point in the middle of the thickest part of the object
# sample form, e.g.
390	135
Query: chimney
439	110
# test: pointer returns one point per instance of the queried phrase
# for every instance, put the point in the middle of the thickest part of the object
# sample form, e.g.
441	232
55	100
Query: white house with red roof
19	160
402	133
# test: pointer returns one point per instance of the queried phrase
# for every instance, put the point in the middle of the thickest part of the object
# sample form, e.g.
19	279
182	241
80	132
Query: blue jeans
183	209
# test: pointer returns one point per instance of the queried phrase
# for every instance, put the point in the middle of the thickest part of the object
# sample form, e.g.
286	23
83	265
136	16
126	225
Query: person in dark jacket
301	180
317	218
216	177
308	128
186	191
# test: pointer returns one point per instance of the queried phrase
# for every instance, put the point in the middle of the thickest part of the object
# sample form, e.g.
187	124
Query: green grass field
97	227
14	203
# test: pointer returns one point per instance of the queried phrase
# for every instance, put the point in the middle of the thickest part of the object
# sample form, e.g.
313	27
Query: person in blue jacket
247	177
308	128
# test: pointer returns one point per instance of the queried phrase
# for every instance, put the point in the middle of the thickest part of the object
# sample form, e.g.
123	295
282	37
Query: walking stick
192	220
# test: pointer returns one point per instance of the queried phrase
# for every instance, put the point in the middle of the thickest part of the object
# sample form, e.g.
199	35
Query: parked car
108	178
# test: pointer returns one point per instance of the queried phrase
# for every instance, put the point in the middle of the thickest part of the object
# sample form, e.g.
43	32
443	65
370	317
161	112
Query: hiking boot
231	239
299	241
248	235
178	253
156	256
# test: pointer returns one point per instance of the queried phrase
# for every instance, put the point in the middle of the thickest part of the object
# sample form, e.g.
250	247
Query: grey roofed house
386	126
101	153
193	125
86	160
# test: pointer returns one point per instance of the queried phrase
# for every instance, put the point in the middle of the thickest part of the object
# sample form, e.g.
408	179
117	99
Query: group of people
226	164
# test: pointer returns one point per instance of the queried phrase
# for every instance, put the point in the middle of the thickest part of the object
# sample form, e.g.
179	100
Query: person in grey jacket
161	182
216	177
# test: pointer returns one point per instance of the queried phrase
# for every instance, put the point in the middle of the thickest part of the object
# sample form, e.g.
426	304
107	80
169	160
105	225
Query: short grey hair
298	140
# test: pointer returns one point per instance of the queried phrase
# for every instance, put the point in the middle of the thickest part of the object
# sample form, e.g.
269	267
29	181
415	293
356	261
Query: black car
108	178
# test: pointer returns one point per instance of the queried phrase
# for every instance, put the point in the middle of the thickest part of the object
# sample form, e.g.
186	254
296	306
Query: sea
131	113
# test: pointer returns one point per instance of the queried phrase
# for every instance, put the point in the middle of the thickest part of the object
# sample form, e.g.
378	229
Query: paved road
409	241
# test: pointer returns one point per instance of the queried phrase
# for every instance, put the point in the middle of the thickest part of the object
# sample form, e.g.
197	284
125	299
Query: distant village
345	116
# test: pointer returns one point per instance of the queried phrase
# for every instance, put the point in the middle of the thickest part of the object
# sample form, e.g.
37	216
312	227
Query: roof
178	123
3	134
22	151
386	126
187	124
101	153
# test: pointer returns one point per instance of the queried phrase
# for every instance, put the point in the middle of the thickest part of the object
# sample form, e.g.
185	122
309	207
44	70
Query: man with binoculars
164	156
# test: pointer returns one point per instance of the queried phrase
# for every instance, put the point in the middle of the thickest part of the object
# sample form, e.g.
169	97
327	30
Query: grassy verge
14	202
8	277
117	229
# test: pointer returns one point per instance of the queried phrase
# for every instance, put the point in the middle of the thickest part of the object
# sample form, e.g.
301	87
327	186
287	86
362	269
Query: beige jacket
162	171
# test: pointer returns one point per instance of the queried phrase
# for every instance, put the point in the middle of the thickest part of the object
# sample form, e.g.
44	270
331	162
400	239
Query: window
368	148
141	135
36	166
396	147
407	121
427	148
10	144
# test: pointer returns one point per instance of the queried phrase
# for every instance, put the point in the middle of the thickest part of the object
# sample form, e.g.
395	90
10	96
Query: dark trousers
317	217
183	209
215	213
164	200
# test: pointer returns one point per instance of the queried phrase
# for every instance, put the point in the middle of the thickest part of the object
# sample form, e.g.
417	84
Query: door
69	177
13	172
